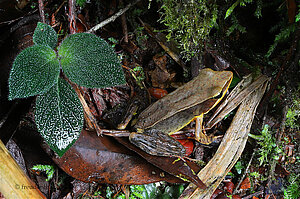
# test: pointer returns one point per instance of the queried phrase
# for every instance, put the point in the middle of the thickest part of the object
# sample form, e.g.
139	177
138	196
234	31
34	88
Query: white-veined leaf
34	71
89	61
59	117
45	35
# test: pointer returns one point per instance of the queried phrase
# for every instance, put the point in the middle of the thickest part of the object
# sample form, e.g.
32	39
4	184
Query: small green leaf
232	7
59	116
89	61
45	35
34	71
48	169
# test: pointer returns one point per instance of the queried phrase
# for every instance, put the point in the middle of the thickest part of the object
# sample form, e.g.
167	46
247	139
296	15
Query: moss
293	112
189	23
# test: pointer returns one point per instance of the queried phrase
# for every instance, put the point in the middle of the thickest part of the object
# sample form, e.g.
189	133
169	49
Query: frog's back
206	85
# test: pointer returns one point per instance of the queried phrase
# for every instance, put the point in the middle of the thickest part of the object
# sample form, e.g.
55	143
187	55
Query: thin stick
72	22
112	18
41	10
244	175
124	25
89	117
254	194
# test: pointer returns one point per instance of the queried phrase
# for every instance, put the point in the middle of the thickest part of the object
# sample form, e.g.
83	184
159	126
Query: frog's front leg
157	143
200	134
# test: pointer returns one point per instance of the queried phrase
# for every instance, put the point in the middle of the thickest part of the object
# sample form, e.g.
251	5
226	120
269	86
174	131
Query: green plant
138	74
239	167
282	36
293	112
113	41
48	169
236	26
235	23
268	149
243	3
297	17
292	190
285	30
292	116
148	191
81	3
85	59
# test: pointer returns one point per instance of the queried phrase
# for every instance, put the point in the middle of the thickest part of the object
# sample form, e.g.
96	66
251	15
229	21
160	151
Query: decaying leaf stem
89	117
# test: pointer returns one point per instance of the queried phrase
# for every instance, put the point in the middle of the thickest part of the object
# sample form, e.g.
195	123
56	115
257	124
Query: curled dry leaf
101	159
160	76
180	167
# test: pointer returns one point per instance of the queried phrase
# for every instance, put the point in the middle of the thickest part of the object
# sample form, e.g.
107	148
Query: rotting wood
14	183
230	149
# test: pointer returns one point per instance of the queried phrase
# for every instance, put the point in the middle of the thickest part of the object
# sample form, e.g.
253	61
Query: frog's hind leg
157	143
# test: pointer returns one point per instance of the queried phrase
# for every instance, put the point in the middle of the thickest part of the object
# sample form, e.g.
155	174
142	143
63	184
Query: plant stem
72	22
41	10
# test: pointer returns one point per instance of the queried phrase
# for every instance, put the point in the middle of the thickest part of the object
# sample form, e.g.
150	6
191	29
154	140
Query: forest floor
110	166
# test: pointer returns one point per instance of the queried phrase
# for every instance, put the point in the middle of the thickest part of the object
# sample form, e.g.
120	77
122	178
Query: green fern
242	3
236	26
81	3
268	149
297	17
282	36
292	190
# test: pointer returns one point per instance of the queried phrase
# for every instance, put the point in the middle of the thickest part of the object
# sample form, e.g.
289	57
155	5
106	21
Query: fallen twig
112	18
278	136
14	183
235	98
124	25
89	117
244	175
72	22
167	46
254	194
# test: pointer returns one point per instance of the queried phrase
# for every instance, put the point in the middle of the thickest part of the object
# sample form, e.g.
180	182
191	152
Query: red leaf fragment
157	93
103	160
188	145
246	183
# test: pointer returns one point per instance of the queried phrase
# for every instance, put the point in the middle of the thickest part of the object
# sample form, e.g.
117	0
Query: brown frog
174	111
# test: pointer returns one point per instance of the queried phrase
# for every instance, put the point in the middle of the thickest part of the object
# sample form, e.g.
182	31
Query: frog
155	125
